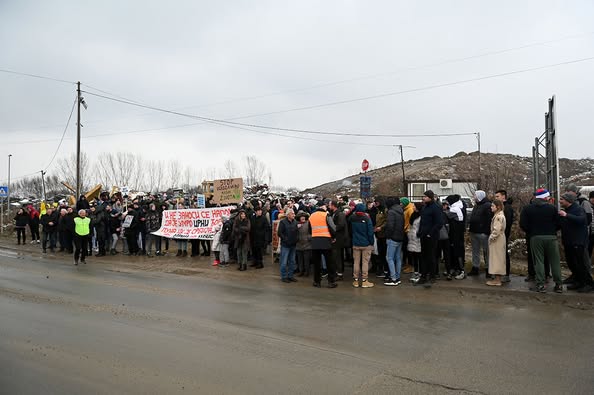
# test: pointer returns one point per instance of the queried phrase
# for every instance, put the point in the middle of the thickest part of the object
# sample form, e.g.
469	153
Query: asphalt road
87	329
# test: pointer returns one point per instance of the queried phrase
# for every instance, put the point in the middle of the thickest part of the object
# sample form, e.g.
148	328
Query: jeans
361	257
287	261
480	240
182	245
242	253
51	237
394	258
225	253
114	240
150	240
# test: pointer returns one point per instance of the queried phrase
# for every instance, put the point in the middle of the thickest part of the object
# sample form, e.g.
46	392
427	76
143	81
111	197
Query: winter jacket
408	210
115	224
216	240
342	231
508	211
47	219
152	221
226	232
21	220
82	204
539	219
362	229
394	228
241	232
444	231
574	226
303	237
288	232
259	229
380	222
414	242
480	219
431	221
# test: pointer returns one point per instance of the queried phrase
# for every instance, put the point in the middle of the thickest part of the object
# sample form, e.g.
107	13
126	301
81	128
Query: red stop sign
365	165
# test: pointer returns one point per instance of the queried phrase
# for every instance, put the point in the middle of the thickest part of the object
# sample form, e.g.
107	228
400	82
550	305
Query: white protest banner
228	191
196	223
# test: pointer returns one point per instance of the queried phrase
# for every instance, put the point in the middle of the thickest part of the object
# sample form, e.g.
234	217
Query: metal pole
43	185
403	175
478	137
78	187
9	188
2	217
535	170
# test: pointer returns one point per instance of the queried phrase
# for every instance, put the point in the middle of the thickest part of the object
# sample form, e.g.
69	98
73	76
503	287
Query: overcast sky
238	59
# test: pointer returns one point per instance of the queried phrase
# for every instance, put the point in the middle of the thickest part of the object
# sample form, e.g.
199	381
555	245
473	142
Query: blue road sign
3	191
365	184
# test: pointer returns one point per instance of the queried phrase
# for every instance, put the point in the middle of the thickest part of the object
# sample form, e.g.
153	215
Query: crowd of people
387	237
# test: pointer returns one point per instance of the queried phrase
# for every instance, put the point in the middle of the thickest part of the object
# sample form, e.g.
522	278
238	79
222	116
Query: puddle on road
186	272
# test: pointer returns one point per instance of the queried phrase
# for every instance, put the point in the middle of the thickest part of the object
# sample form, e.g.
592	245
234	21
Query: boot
185	253
242	267
179	253
259	266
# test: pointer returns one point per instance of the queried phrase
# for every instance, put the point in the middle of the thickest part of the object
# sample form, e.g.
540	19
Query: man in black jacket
49	223
508	211
342	237
431	222
574	230
259	230
540	221
480	228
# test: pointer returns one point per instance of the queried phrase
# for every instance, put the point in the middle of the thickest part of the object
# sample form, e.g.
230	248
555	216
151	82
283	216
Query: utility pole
43	185
78	101
403	175
478	138
9	188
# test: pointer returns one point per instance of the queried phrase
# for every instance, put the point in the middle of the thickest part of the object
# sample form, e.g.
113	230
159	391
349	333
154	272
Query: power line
43	77
321	85
378	75
63	134
59	145
239	124
227	122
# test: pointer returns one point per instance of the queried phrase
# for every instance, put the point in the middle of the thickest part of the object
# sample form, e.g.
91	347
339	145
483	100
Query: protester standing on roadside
480	226
574	231
540	221
363	240
323	232
49	226
82	229
288	234
508	211
241	237
431	221
394	231
497	244
21	220
33	224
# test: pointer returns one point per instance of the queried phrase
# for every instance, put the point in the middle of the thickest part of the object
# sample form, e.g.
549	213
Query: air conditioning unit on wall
445	183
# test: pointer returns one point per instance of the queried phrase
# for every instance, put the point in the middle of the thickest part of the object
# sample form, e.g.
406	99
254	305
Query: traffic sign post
365	165
365	184
3	195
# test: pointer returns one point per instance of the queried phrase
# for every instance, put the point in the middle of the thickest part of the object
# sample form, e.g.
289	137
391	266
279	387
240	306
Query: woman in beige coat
497	244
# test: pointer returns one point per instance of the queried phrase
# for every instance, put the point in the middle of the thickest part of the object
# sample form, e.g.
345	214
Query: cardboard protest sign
127	221
275	238
228	191
192	223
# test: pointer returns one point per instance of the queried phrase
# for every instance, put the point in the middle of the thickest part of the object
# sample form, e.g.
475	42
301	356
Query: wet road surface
86	329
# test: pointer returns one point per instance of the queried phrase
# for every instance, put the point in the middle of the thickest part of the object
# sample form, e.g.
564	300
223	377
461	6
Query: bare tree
230	169
254	170
68	170
174	173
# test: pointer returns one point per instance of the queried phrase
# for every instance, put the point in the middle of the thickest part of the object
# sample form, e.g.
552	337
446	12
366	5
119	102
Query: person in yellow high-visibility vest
82	230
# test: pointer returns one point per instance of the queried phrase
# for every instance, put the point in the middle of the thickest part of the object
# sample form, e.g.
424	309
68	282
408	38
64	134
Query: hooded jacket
539	219
362	228
431	221
480	219
394	228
